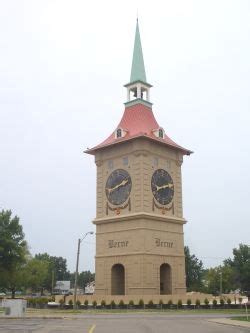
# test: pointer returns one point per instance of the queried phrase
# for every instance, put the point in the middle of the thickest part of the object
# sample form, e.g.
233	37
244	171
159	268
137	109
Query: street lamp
77	262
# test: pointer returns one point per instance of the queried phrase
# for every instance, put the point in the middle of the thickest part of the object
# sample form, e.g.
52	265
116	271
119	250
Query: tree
220	276
194	271
13	251
57	269
36	273
240	265
83	279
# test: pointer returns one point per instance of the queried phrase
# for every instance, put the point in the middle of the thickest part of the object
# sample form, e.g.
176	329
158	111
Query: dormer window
118	133
159	133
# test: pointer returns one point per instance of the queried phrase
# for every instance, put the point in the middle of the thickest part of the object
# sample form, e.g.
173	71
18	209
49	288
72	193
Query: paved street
118	324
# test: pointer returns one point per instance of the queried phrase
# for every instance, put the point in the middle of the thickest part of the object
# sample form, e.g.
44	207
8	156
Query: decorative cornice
142	253
138	81
138	101
140	215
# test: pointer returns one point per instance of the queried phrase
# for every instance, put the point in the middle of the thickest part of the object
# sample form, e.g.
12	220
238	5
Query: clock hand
163	186
124	182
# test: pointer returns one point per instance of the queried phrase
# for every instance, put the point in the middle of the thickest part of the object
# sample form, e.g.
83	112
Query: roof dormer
120	133
159	133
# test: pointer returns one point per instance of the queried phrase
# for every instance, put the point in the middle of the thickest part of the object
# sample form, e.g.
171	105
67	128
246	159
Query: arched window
118	280
165	279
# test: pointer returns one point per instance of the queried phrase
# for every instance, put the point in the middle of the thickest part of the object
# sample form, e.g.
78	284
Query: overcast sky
62	69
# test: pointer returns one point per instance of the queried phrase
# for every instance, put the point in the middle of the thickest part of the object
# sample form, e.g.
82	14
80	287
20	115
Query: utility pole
76	272
52	282
220	283
77	263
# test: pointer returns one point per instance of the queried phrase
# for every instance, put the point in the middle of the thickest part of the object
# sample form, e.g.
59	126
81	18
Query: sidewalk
225	321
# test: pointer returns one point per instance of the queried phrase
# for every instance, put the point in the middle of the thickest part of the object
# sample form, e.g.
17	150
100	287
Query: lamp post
77	263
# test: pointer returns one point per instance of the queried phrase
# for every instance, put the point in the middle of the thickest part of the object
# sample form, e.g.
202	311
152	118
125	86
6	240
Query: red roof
138	121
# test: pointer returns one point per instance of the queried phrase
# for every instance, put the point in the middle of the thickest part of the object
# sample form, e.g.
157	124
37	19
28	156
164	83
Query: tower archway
165	279
118	279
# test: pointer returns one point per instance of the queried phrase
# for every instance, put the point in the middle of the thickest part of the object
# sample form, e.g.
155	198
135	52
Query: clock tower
139	220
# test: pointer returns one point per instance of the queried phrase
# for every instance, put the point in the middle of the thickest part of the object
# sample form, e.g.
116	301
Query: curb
36	317
226	321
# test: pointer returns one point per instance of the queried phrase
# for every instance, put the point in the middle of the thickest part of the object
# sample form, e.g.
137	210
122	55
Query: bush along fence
38	302
186	304
116	303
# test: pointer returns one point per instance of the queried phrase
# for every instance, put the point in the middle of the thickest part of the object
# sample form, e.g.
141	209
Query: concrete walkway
226	321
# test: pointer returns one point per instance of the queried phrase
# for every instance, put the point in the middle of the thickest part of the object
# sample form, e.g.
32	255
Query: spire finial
138	69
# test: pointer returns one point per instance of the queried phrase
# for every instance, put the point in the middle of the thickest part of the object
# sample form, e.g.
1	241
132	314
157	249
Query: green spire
138	70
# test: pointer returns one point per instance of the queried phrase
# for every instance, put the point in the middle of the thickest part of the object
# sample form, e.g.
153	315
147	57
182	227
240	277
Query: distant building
62	287
90	288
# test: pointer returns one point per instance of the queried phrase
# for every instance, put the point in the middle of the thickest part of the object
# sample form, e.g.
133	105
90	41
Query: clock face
118	187
162	186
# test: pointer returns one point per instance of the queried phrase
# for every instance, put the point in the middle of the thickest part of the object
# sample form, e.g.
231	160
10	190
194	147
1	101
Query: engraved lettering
112	243
157	242
160	243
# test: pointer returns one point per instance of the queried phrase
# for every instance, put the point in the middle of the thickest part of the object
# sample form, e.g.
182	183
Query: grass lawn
242	318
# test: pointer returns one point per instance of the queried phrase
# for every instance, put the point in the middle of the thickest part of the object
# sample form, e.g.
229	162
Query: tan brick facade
139	246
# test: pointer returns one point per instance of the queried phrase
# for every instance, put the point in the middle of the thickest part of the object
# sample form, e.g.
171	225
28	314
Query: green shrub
141	302
197	302
31	301
112	303
179	303
206	301
121	303
70	302
131	302
42	300
39	300
222	302
103	303
170	302
86	302
61	302
229	301
189	302
161	302
94	303
78	303
150	302
214	302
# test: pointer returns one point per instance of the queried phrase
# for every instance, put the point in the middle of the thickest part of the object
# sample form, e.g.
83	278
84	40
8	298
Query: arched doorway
118	280
165	280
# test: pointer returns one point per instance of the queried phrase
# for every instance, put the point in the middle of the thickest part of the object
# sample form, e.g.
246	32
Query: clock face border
118	187
162	187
